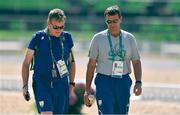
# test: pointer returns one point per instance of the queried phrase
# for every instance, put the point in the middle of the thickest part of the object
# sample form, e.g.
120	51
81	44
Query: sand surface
155	70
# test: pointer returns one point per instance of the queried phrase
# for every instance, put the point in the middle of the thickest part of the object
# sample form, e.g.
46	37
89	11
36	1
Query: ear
48	23
120	19
64	20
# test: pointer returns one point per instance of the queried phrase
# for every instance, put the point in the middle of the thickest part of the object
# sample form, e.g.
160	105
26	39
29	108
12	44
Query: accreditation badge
117	69
62	68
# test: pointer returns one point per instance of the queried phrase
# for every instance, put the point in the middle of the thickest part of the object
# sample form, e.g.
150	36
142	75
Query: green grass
160	28
88	35
174	7
101	5
82	35
33	4
16	35
98	5
27	35
151	36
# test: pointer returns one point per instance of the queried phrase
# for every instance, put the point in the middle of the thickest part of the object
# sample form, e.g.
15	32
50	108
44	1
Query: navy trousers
113	94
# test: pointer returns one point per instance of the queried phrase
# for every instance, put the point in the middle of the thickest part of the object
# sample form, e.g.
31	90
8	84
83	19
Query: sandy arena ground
13	102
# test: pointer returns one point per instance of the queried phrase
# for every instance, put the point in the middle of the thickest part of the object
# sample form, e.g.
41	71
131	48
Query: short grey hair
56	14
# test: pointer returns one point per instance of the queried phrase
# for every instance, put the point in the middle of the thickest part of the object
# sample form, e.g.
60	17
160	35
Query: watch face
72	83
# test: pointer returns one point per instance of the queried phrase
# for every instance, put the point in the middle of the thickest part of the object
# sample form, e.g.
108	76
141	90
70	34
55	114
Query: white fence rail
153	91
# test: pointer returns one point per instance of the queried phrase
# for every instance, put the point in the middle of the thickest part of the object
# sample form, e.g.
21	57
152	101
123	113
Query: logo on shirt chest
117	53
42	38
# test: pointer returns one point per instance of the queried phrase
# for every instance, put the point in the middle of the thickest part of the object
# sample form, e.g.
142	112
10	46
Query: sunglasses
112	21
57	27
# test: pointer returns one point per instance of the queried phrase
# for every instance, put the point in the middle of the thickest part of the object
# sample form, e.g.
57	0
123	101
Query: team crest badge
41	103
42	37
99	102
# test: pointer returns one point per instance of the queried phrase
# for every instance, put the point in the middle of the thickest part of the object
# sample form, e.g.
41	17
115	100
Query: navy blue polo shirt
42	57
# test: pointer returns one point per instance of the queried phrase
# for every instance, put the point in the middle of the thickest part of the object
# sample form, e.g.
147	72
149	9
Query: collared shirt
42	56
99	49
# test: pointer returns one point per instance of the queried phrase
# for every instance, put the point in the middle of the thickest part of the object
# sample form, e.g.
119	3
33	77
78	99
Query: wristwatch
72	83
139	82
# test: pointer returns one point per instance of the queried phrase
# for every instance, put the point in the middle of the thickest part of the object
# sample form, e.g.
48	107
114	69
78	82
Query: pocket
129	80
34	87
96	79
34	84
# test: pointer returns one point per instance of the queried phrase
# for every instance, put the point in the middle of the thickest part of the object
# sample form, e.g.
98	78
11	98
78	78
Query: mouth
57	34
112	28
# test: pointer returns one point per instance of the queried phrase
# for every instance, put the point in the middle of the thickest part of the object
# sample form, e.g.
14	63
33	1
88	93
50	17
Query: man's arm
90	73
138	76
25	66
72	70
25	73
137	69
89	76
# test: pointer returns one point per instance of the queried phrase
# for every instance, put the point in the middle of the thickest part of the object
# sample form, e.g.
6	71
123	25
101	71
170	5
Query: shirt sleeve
34	41
134	49
69	40
93	50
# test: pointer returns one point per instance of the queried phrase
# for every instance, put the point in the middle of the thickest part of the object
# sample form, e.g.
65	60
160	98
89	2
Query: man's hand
137	89
26	93
88	99
72	96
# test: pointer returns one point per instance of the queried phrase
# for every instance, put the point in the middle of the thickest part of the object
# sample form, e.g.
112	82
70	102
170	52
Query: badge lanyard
52	56
112	53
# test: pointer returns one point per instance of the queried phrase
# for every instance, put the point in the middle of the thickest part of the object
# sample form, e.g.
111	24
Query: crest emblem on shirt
41	103
99	102
42	37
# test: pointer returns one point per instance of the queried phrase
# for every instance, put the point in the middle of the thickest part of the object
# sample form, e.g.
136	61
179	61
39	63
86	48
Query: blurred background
155	24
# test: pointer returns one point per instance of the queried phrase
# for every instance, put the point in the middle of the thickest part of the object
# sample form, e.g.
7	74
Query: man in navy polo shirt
54	66
111	53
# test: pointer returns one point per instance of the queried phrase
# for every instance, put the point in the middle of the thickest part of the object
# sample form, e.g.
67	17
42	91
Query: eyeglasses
57	27
112	21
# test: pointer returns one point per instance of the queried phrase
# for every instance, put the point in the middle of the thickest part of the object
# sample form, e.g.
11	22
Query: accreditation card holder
62	68
117	69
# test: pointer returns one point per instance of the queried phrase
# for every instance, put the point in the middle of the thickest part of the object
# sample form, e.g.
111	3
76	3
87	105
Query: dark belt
125	75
